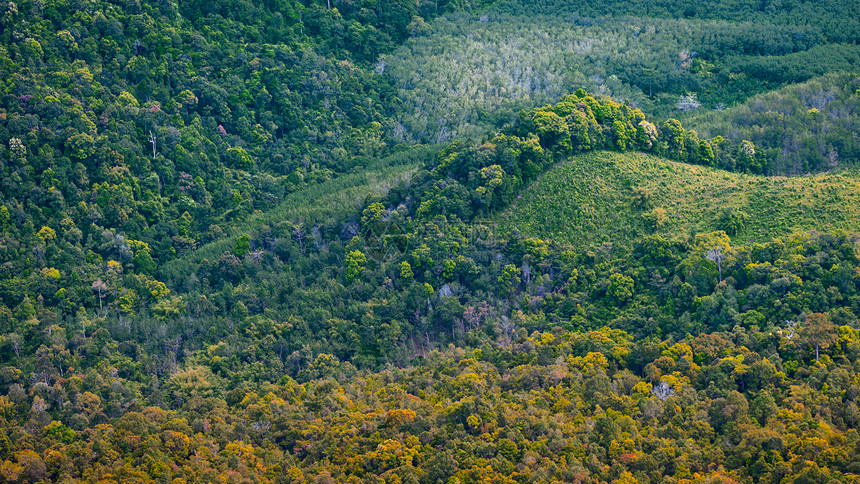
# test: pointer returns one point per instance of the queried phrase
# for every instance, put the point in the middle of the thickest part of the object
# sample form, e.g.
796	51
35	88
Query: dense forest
432	241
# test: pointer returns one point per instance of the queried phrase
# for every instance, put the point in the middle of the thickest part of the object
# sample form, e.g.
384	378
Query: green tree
620	288
372	215
552	130
732	221
243	245
620	135
238	158
355	265
674	135
509	279
406	272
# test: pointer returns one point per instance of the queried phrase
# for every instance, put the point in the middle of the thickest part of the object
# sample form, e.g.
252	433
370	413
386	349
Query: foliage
834	19
799	129
588	406
469	179
218	261
134	134
475	70
593	198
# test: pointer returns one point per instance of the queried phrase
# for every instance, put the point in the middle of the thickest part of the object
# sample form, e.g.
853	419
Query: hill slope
801	128
325	206
613	197
465	72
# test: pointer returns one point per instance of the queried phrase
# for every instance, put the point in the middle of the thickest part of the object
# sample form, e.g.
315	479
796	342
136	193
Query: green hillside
468	71
325	206
619	197
801	128
313	241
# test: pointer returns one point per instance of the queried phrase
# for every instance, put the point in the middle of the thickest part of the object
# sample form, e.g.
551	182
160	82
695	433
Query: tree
646	134
243	245
153	141
100	289
819	332
705	155
81	146
406	273
186	99
746	156
509	279
238	158
663	391
732	221
687	102
371	215
16	342
355	261
552	130
674	136
716	255
620	134
620	288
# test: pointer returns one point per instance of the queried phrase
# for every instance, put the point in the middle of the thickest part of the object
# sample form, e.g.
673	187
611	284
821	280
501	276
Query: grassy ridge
613	197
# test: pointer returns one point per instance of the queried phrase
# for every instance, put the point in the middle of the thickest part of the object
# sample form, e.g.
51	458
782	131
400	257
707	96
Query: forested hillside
472	70
834	20
802	128
136	119
433	241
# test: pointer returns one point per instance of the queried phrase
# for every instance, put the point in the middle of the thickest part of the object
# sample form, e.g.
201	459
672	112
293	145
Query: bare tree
687	102
298	231
508	329
663	391
527	273
716	255
100	288
152	140
818	332
791	325
17	343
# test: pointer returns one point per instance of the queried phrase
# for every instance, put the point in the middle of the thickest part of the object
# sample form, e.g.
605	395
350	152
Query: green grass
591	199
